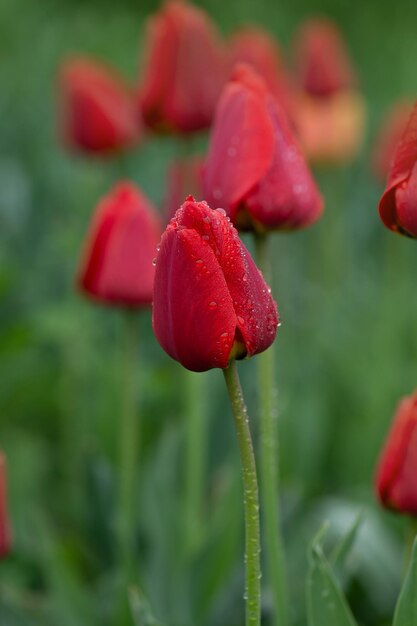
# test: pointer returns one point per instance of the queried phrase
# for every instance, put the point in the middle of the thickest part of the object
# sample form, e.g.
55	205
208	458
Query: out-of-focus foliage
346	349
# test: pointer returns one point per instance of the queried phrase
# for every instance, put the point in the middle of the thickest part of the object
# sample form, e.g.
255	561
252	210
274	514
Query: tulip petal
287	196
96	108
242	142
397	468
255	309
193	315
116	266
406	203
404	159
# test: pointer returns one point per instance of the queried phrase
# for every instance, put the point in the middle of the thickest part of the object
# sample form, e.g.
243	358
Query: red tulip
256	48
329	113
396	477
97	111
323	66
211	303
183	71
398	205
5	535
116	266
391	130
185	178
255	169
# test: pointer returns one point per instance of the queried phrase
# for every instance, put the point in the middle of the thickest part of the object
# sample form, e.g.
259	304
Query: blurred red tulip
5	535
211	303
116	267
398	205
396	482
256	48
329	112
322	62
255	169
184	69
390	132
185	178
96	109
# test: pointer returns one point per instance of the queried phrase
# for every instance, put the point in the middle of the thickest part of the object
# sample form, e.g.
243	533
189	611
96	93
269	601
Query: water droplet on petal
154	262
212	305
221	211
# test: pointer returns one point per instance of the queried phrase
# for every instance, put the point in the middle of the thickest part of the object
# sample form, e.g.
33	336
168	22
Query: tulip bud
5	535
323	67
211	303
255	168
96	110
183	71
329	112
396	476
116	266
256	48
398	205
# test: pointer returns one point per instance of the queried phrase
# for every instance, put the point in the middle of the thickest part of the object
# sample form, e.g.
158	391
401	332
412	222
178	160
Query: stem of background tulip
250	498
268	454
129	440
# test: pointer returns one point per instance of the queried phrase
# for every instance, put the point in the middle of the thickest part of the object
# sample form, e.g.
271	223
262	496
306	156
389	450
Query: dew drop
212	305
154	262
222	212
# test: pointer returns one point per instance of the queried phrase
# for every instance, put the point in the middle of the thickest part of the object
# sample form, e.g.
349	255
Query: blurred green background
347	348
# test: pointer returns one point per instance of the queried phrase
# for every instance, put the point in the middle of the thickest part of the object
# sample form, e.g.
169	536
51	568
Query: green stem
129	441
250	498
195	456
269	454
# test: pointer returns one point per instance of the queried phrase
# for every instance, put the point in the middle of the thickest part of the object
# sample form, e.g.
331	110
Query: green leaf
343	547
141	611
325	601
406	609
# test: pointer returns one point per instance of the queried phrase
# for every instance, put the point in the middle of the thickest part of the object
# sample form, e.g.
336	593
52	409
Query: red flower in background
185	178
211	303
398	205
183	71
255	169
390	132
256	48
96	109
329	112
116	266
396	477
323	66
5	535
